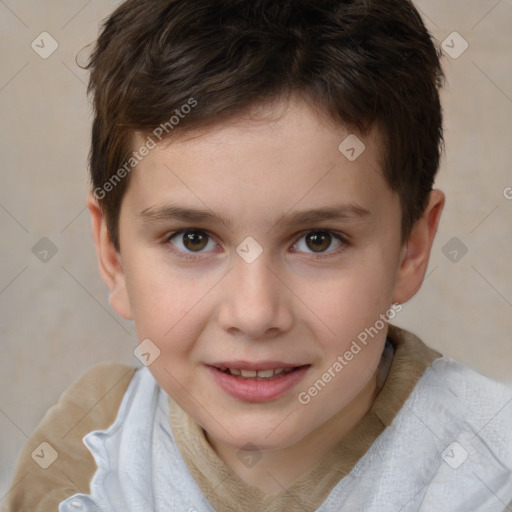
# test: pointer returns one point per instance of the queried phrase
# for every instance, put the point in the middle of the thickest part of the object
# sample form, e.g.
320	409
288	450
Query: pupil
318	242
194	241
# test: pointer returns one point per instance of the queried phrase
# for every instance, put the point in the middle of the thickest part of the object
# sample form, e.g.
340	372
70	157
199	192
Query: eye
319	241
192	241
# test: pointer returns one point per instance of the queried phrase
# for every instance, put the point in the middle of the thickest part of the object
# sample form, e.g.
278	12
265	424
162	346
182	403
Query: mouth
264	370
269	374
257	382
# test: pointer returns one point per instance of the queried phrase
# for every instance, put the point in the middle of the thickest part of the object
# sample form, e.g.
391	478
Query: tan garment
90	403
93	401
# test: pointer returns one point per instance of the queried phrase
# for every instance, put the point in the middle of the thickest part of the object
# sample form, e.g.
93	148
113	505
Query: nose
256	302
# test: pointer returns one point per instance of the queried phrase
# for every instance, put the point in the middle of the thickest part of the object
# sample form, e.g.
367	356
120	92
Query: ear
109	260
416	252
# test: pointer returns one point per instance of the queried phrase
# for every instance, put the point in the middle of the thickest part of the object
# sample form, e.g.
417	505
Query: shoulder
478	393
450	389
472	402
54	463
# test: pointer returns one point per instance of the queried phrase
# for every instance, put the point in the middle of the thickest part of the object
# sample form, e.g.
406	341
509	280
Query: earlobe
415	254
109	261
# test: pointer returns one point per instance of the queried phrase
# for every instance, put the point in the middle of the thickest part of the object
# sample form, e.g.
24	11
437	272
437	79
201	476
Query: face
258	246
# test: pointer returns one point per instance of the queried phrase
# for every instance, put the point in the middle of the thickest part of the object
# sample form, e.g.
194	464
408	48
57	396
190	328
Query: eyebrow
344	212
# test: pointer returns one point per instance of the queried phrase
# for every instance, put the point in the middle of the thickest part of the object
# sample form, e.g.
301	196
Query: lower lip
250	390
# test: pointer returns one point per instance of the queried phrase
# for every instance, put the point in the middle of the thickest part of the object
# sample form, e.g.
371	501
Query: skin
292	304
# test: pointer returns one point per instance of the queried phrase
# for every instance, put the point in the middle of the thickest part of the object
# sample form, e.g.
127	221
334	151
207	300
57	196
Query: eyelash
191	256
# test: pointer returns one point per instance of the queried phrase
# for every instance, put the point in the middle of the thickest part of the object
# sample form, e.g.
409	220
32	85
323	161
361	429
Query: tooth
279	371
266	373
234	371
248	373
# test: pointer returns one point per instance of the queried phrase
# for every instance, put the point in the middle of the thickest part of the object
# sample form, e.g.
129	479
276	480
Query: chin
268	439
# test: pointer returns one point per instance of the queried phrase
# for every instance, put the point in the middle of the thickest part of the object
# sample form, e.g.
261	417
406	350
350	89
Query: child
262	206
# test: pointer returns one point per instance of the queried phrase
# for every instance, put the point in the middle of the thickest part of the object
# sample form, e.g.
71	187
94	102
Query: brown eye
195	241
318	241
192	241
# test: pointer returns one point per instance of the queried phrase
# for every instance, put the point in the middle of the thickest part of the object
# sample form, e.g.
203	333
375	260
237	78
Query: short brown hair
362	62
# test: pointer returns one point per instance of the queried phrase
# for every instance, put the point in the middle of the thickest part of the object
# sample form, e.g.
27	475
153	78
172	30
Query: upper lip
262	365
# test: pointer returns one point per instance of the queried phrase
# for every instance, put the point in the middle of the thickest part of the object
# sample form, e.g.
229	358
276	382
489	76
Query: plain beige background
54	316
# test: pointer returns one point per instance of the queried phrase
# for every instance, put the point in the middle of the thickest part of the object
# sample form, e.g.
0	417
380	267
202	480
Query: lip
249	390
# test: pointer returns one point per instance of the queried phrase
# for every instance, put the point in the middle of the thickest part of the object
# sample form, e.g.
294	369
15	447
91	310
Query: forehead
279	124
276	158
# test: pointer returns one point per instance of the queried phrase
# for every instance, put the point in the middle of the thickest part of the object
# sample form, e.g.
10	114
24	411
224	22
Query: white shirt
449	449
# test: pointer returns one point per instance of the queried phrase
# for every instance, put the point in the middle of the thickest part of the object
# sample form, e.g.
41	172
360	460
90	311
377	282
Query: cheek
172	311
158	300
347	303
155	291
336	385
